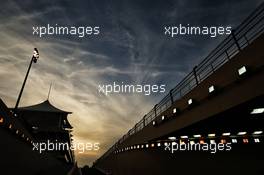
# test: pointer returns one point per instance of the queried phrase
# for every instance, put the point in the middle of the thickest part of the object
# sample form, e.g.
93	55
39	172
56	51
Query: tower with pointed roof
49	124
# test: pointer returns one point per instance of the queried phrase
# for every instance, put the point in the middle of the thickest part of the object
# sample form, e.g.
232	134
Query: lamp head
35	55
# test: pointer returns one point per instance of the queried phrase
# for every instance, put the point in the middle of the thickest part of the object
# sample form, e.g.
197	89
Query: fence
250	29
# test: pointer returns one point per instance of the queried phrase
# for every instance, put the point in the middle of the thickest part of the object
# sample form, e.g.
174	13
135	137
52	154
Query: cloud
131	48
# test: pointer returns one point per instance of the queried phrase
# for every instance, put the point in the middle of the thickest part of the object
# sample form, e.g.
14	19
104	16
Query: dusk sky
130	48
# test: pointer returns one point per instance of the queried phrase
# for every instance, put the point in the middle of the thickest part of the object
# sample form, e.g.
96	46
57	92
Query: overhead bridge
220	101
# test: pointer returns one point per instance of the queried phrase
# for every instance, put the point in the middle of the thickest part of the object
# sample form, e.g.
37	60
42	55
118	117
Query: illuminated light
182	142
27	139
158	144
257	132
212	141
153	123
131	147
256	140
192	142
190	101
197	136
201	141
223	141
226	134
165	144
17	131
211	89
173	143
10	126
152	145
163	117
142	146
174	110
1	120
172	138
34	127
242	70
138	147
234	140
23	135
211	135
35	55
147	145
245	140
241	133
184	137
257	111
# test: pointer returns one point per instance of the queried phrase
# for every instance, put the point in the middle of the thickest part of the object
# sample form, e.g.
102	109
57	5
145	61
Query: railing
242	36
13	124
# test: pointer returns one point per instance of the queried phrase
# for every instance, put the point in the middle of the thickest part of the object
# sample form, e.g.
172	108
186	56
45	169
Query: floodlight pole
33	59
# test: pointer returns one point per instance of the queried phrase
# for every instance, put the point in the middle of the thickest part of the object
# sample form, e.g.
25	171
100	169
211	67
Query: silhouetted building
48	124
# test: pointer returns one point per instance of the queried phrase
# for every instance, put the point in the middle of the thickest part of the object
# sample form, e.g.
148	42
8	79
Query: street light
34	59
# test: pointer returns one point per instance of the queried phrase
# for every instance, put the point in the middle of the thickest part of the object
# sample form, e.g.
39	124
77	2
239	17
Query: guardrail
250	29
13	124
